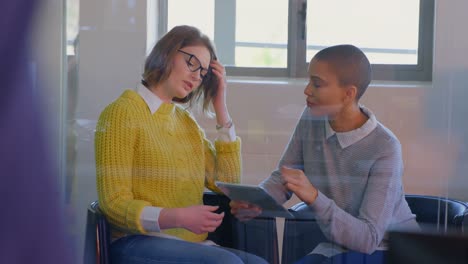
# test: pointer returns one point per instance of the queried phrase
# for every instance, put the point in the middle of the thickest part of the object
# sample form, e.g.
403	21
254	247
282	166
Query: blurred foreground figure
31	225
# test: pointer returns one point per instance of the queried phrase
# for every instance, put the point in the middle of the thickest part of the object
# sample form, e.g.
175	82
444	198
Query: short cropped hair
350	65
158	64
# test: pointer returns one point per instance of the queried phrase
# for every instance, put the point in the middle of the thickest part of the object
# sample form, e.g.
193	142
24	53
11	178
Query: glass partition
106	46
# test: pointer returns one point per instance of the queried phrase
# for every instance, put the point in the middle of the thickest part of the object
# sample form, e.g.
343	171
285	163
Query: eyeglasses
194	64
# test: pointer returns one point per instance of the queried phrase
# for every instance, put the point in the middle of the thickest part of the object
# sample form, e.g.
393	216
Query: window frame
422	71
297	44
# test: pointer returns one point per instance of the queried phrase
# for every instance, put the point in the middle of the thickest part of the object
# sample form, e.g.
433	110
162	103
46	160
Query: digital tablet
254	195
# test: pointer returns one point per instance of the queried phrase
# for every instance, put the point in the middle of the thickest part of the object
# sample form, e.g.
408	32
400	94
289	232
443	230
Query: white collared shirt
346	139
154	102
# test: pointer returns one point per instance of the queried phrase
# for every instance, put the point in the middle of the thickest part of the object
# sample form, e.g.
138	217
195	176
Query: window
72	12
279	37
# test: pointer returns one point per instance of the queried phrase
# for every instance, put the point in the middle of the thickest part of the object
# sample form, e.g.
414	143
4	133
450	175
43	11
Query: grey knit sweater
359	178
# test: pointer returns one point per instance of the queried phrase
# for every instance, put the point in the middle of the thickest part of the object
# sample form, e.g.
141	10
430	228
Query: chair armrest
257	236
224	234
301	211
301	234
459	220
298	207
465	222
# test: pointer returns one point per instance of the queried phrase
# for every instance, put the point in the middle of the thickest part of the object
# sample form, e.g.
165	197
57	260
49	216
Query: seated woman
342	163
153	161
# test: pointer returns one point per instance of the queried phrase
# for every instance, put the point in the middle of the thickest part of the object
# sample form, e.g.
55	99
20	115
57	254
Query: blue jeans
351	257
139	249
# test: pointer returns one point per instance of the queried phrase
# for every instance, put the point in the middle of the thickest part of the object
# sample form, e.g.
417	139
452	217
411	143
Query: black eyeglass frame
202	76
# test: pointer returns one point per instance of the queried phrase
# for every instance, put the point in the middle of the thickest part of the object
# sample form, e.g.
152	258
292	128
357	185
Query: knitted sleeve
223	162
115	139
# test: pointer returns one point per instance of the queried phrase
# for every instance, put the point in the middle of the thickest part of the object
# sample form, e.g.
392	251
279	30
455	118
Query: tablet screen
254	195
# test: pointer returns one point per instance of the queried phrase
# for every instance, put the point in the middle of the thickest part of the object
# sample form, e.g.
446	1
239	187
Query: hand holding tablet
254	195
244	211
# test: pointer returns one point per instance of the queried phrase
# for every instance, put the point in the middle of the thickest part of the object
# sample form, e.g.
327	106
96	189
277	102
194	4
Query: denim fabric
139	249
351	257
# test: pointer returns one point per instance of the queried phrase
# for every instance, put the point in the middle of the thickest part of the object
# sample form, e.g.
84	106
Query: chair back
97	238
436	210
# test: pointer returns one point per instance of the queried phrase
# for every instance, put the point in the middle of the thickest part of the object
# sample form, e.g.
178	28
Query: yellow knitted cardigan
161	159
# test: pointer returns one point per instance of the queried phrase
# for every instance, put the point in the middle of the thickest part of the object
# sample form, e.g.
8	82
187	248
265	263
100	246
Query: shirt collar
348	138
152	100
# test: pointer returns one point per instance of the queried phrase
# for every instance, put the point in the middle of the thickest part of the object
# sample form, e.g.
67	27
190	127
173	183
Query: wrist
219	106
312	197
171	218
179	217
227	124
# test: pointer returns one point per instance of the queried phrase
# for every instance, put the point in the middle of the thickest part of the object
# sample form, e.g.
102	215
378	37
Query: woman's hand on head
219	71
296	181
244	211
200	219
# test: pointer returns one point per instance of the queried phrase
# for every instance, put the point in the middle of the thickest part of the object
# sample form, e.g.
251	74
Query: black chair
430	212
257	236
441	239
302	235
97	238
